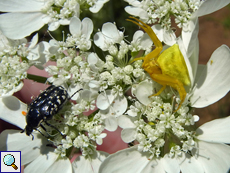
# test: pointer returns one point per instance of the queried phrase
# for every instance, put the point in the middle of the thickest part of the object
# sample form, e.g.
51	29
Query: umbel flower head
149	92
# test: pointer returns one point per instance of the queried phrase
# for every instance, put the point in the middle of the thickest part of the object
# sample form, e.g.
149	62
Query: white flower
111	106
108	36
211	154
81	31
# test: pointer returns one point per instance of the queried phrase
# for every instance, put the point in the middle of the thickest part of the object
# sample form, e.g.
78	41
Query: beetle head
29	131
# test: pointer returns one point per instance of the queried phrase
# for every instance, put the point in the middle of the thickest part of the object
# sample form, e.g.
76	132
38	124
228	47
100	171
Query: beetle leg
53	127
171	81
40	132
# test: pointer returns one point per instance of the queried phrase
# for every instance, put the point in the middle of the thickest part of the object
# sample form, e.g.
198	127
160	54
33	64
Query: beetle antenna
75	93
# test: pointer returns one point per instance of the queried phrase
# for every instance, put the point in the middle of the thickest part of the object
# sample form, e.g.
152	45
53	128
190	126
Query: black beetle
44	107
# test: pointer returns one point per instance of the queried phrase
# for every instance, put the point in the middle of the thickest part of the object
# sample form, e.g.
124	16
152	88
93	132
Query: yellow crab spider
166	68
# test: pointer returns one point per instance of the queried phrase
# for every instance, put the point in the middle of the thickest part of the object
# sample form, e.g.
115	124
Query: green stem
36	78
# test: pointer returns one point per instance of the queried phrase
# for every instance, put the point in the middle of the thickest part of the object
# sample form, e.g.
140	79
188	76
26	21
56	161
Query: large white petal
213	83
13	140
60	166
190	164
210	6
21	6
128	160
170	164
81	164
44	159
11	111
215	131
154	166
20	25
214	157
191	43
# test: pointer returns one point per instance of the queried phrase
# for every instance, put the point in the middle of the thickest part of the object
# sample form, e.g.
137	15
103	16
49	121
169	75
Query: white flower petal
214	157
21	6
97	6
138	34
125	121
187	61
111	32
26	24
13	140
128	160
213	83
75	26
145	41
215	131
45	159
190	165
111	124
154	166
120	105
104	100
170	164
191	45
34	41
128	135
81	164
211	6
143	91
11	111
73	89
60	165
53	26
136	11
87	27
99	40
92	58
167	36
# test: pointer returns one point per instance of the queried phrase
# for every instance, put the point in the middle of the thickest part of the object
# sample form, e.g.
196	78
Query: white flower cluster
16	56
161	11
156	127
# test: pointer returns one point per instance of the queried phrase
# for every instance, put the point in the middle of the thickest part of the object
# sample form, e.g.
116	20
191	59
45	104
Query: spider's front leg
156	52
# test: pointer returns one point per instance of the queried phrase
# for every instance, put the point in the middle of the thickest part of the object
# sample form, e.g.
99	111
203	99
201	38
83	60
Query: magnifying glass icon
9	160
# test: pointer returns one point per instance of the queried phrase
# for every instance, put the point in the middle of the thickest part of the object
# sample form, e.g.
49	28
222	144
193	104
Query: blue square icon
10	161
